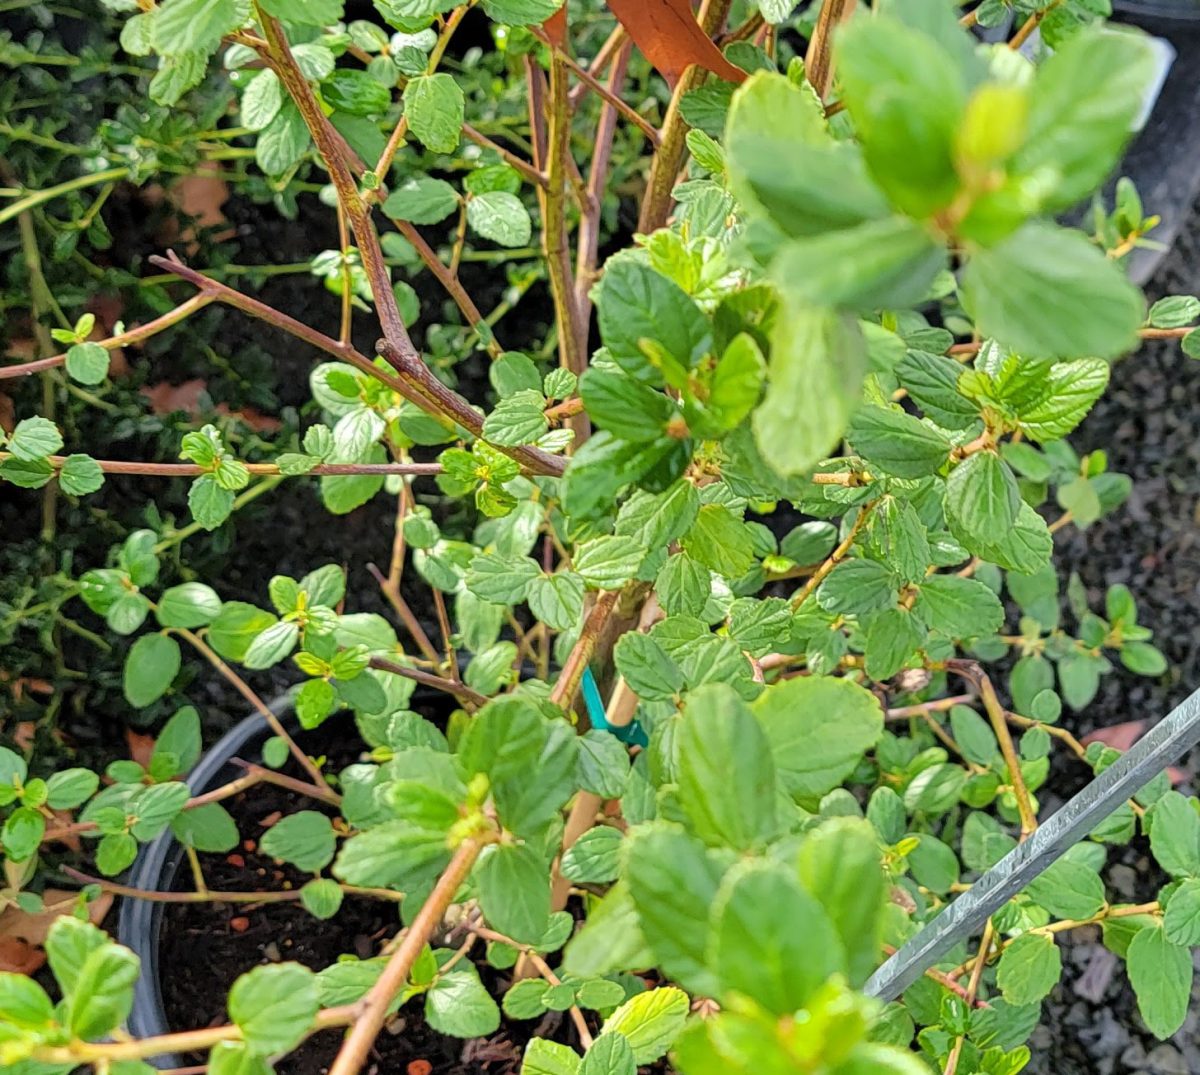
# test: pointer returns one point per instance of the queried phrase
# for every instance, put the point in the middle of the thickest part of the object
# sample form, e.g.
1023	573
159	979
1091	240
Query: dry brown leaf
1122	737
555	28
22	934
141	747
670	38
186	397
201	197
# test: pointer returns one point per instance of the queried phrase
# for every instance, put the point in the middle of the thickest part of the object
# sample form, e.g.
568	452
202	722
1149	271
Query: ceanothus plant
703	767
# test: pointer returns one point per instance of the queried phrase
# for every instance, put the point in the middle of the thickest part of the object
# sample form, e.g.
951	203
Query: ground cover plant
737	580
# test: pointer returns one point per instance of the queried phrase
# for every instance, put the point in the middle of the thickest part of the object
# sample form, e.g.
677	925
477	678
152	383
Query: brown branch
835	557
656	205
134	335
450	686
536	177
606	92
818	60
974	674
371	1011
216	896
191	470
572	670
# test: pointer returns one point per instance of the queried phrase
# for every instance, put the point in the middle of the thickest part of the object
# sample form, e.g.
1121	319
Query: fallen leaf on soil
239	924
25	730
141	747
8	413
271	819
187	397
1122	737
22	934
671	39
199	196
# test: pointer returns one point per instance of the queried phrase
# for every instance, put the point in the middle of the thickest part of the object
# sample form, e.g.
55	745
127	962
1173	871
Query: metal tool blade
1165	743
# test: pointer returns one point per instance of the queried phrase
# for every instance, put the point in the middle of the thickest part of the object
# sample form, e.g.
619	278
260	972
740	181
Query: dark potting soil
204	947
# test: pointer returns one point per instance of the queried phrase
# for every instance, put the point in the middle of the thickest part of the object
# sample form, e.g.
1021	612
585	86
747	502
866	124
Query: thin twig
450	686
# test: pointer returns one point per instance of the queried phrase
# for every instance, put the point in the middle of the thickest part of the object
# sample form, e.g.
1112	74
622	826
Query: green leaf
517	419
1068	391
932	382
1085	102
858	586
1182	919
782	162
653	520
609	1054
1161	975
176	75
322	898
839	864
69	788
982	497
34	438
261	100
179	741
893	638
649	671
1068	889
520	12
314	702
271	646
274	1006
87	363
650	1022
603	766
100	995
188	25
206	828
356	93
234	1058
434	107
152	663
543	1057
1175	835
154	807
24	1003
501	217
22	833
501	580
624	406
305	839
514	891
881	263
305	12
726	771
1174	311
1029	968
1096	310
814	381
818	729
26	473
908	130
778	959
115	853
608	562
421	199
458	1004
80	474
282	143
635	303
557	600
191	604
209	502
897	442
392	855
673	881
972	733
1143	658
595	857
720	541
959	607
235	627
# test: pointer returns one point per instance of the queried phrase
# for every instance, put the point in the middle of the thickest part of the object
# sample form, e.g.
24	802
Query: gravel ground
1146	422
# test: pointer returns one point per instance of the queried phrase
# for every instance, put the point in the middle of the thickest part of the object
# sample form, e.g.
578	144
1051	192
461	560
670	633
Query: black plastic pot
139	921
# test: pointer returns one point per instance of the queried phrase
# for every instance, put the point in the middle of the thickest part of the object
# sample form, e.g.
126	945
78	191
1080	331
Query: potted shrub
699	770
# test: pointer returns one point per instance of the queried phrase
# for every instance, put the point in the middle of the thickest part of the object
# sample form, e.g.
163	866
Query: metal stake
1169	740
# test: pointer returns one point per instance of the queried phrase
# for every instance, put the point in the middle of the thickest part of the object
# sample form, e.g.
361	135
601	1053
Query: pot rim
139	922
